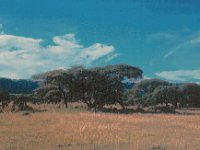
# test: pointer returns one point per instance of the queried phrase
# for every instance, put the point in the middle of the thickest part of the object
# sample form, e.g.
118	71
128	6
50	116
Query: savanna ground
78	129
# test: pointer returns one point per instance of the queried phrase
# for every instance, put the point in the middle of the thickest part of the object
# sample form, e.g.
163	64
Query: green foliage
91	87
142	92
40	93
161	92
119	70
191	94
167	94
103	85
96	87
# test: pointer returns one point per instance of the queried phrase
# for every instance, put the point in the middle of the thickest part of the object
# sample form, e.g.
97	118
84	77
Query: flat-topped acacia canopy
120	70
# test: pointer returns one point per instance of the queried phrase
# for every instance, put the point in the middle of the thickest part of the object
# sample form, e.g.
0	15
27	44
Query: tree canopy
95	87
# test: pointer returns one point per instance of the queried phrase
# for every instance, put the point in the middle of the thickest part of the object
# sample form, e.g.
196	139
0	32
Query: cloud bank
21	57
180	75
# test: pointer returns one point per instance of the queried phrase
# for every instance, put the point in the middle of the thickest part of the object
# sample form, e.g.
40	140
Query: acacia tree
192	94
95	87
40	93
167	94
91	87
104	90
117	73
53	96
83	86
64	84
142	93
98	87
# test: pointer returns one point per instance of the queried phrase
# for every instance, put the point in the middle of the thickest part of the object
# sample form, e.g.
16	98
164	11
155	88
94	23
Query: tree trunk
66	104
65	100
175	105
167	105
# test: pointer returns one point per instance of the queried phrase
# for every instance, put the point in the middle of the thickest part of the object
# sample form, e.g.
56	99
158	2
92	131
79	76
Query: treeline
102	86
95	87
153	92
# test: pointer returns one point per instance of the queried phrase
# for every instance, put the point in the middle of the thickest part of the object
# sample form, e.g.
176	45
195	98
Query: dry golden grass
76	129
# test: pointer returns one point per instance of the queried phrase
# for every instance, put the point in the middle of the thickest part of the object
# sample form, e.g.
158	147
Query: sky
161	37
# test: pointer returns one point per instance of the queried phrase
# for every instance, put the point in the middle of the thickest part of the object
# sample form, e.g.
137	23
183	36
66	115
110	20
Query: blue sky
161	37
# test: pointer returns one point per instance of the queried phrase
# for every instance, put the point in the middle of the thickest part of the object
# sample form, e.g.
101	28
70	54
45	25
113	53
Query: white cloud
187	44
111	57
180	75
21	57
175	42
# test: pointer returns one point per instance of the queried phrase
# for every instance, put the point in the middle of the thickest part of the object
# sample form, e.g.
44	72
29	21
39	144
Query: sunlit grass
76	129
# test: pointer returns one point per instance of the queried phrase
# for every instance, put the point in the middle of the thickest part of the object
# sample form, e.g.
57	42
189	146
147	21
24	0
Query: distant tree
167	94
61	88
19	102
96	89
149	85
40	93
142	93
117	73
4	98
192	94
53	96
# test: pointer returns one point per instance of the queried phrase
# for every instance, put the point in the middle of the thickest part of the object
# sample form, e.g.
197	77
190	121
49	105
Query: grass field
78	129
